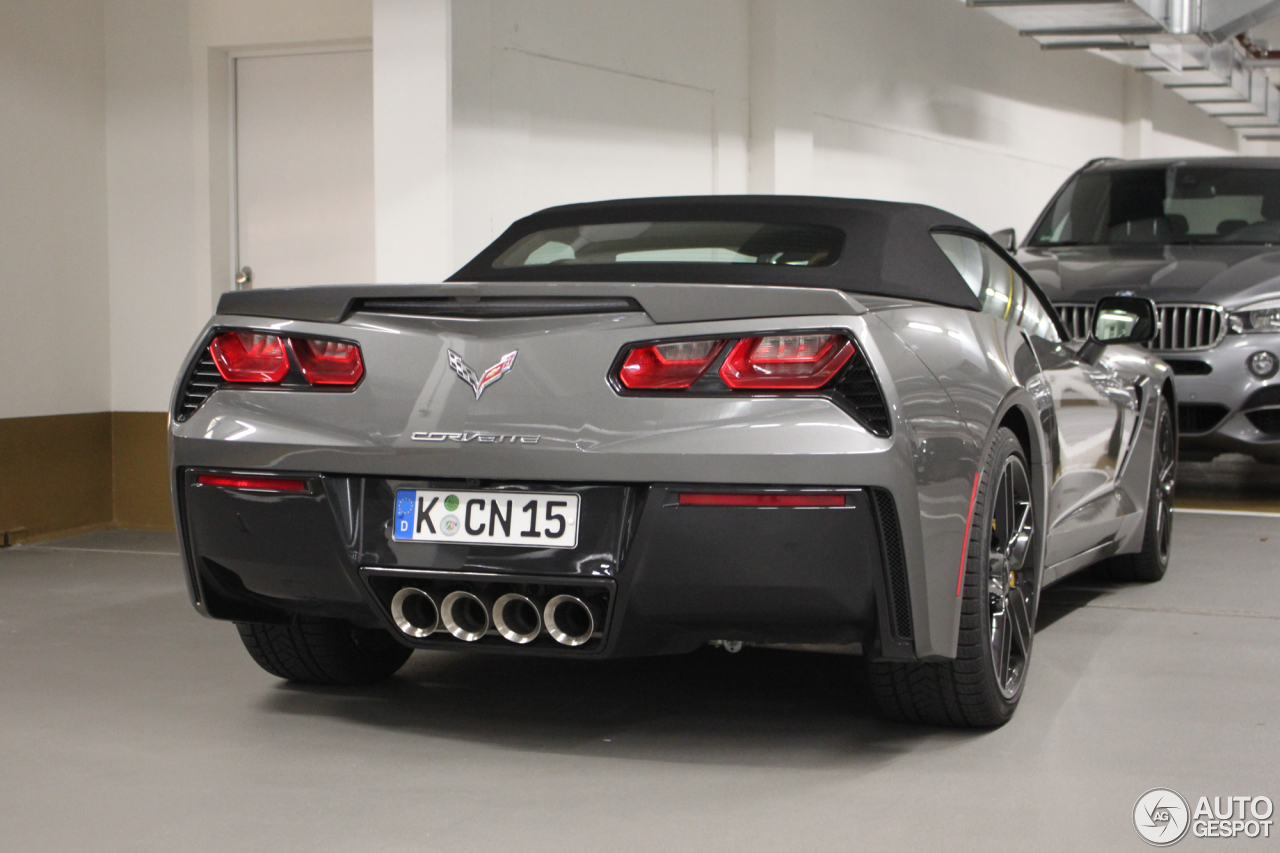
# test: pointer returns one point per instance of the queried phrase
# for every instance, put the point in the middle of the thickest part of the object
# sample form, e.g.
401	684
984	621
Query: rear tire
312	650
1150	564
981	687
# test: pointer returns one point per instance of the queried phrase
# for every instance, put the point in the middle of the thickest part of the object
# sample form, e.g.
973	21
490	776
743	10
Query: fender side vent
895	562
499	307
200	383
861	394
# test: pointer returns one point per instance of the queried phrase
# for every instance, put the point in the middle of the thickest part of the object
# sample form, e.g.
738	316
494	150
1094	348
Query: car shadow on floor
758	707
1069	595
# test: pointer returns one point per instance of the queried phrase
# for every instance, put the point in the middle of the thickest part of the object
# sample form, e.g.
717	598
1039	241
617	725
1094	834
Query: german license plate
528	519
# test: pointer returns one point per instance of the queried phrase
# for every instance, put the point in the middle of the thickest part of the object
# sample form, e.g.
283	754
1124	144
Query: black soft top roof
887	250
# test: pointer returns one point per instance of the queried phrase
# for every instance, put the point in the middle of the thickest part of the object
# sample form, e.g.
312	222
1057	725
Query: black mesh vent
200	384
895	563
1268	396
1189	367
861	391
1267	420
1200	417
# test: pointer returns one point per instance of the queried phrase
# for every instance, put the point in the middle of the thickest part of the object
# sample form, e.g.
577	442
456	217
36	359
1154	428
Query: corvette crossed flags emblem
490	376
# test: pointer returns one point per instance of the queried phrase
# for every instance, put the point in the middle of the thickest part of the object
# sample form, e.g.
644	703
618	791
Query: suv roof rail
1096	160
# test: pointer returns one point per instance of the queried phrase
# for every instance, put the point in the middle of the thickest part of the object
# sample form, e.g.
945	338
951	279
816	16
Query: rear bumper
664	578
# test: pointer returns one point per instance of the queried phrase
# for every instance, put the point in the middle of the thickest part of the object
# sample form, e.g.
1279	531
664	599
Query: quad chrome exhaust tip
464	615
517	618
569	620
415	612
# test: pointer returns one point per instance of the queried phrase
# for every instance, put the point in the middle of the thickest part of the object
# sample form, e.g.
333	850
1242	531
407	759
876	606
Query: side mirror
1124	320
1120	320
1006	238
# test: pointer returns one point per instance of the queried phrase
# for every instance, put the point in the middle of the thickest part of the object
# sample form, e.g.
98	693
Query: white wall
412	120
114	238
1161	124
934	102
167	168
53	209
558	101
218	28
150	199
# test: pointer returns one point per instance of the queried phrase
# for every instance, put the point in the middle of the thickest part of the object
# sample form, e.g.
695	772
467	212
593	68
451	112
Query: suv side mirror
1120	320
1006	238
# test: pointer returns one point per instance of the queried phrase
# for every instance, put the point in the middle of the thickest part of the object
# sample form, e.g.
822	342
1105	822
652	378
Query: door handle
244	279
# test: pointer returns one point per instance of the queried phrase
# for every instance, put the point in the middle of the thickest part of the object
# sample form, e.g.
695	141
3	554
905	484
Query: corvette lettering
482	437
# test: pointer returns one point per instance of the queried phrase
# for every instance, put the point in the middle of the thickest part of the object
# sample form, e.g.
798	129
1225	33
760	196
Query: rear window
698	242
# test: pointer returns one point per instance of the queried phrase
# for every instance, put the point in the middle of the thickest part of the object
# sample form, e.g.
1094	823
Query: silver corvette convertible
641	427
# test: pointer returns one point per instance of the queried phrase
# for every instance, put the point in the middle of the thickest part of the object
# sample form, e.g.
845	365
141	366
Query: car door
1087	411
1096	413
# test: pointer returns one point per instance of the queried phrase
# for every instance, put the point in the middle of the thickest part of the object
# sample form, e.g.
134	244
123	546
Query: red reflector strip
968	525
263	484
696	499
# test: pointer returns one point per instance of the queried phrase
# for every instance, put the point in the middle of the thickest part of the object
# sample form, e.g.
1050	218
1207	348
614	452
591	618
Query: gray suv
1201	237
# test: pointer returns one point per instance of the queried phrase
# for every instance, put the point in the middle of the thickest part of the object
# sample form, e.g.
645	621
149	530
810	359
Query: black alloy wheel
981	686
1011	581
1165	464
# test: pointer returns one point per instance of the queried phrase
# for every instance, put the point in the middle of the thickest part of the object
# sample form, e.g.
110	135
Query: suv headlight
1258	317
1265	320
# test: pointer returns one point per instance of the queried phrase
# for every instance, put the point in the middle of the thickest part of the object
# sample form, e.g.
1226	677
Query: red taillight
786	362
698	499
260	357
249	357
261	484
668	366
328	362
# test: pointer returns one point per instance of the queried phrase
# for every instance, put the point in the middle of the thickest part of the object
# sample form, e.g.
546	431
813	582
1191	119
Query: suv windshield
1177	204
677	242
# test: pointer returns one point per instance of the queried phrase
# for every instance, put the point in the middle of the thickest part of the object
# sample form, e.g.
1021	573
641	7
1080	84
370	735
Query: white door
304	168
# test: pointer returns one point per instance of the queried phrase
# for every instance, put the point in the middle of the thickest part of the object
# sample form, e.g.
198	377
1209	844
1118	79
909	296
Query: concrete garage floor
129	723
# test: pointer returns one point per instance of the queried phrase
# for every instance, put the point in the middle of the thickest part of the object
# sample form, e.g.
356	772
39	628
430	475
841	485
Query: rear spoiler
664	303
